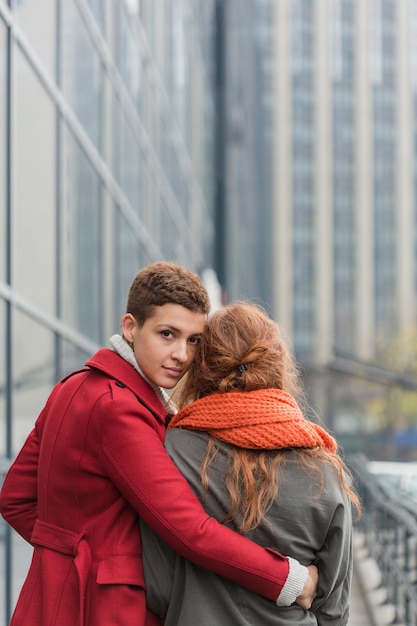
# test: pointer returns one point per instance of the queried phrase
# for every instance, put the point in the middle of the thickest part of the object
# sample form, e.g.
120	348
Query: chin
169	385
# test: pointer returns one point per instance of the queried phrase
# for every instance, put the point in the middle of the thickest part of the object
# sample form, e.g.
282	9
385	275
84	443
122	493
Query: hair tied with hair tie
242	368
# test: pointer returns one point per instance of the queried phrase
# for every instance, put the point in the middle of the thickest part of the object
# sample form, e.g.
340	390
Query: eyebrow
177	330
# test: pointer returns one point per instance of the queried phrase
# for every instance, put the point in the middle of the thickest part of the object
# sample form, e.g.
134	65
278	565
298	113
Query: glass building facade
106	158
343	156
344	191
303	141
385	110
247	54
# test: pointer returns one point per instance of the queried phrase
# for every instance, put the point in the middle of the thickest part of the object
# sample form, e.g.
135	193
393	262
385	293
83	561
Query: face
165	345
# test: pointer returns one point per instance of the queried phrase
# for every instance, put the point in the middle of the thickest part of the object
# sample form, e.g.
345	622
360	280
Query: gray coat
307	524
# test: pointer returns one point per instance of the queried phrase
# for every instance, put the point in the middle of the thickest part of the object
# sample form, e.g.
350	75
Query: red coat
93	462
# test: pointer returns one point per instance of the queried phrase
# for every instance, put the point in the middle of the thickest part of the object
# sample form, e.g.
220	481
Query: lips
172	371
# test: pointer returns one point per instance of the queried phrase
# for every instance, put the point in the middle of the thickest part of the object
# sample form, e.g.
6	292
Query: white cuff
297	578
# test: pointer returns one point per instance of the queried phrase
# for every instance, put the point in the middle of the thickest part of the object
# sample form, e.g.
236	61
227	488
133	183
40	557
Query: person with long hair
259	466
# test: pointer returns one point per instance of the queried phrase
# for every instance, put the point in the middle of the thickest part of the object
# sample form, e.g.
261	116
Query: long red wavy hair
242	349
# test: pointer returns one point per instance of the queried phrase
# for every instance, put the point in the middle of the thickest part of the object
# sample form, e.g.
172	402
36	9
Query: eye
167	333
194	340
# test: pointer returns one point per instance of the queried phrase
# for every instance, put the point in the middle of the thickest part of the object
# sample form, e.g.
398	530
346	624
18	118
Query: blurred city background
269	145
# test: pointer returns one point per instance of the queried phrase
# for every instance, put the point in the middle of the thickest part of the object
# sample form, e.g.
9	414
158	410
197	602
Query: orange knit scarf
265	419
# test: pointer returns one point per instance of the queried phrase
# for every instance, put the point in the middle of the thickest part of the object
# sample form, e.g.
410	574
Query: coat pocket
121	570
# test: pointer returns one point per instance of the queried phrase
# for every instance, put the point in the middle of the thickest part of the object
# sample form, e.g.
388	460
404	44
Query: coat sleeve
139	465
335	566
159	562
19	493
18	497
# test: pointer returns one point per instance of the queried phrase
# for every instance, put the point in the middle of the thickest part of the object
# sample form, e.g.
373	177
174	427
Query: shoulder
186	448
312	475
109	390
179	441
124	383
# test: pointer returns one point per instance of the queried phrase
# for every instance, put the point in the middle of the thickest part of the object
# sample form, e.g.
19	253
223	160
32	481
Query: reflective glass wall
303	182
384	83
345	199
343	68
106	123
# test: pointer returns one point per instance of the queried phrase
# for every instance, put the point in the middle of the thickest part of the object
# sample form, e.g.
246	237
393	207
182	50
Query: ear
129	325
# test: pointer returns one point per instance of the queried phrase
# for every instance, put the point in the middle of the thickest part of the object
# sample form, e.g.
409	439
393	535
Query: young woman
258	465
95	460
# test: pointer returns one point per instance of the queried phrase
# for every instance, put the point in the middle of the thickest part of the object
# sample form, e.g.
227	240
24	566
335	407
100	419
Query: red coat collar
113	365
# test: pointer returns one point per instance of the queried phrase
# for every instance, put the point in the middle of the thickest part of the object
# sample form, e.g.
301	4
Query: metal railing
389	528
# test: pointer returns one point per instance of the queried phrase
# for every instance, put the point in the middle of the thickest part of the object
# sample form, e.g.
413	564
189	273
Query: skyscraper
344	180
106	158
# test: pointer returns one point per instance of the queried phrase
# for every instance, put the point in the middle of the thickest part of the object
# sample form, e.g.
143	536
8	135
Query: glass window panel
99	9
128	55
72	358
3	538
3	61
34	190
127	159
170	238
111	307
151	203
130	258
39	27
22	555
81	75
81	244
148	215
33	378
3	424
33	373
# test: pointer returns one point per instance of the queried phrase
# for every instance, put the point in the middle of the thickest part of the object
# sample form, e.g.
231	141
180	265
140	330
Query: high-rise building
244	237
345	185
106	135
106	158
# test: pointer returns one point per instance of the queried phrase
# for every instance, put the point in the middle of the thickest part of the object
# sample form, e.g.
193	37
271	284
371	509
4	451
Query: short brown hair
165	283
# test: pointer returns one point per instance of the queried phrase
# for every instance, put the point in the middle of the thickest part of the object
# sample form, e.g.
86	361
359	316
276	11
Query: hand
306	597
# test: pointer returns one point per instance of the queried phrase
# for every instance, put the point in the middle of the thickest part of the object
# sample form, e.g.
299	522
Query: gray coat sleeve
335	566
159	569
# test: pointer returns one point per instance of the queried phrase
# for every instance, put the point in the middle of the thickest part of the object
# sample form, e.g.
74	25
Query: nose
181	351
